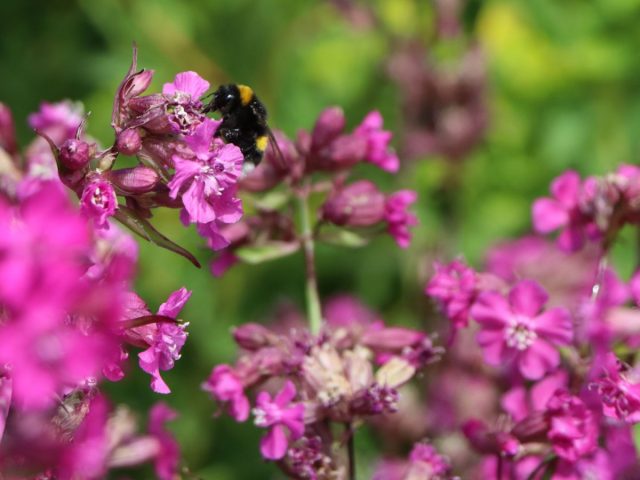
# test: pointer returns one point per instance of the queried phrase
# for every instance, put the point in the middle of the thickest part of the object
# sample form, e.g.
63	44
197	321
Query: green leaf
273	200
344	238
266	252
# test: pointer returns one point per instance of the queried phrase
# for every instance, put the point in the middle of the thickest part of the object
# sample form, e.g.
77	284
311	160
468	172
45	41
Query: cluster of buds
318	164
350	372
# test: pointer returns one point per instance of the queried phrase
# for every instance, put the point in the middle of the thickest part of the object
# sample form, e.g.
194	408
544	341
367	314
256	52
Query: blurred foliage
563	92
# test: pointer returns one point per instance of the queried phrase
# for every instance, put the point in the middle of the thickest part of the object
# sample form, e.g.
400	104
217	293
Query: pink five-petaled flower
207	175
398	218
514	328
165	339
573	431
378	151
277	414
620	397
184	97
98	201
224	386
563	211
454	287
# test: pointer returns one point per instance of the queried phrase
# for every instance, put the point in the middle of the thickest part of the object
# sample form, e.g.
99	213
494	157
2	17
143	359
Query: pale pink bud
134	180
360	204
252	336
129	141
328	127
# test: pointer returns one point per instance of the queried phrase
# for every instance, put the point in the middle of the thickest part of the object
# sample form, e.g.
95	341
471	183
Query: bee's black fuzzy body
244	120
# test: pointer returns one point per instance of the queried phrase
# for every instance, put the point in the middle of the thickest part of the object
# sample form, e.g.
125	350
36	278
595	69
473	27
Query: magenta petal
571	239
548	215
514	402
493	346
273	445
240	408
555	325
542	391
527	298
538	359
175	302
187	82
566	188
199	209
285	395
491	310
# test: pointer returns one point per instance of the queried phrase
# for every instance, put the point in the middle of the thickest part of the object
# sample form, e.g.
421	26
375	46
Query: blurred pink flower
620	396
378	151
514	328
276	415
225	387
398	218
562	211
454	287
165	340
573	430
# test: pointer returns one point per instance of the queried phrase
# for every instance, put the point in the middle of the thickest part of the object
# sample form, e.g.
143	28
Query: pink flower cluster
68	314
351	371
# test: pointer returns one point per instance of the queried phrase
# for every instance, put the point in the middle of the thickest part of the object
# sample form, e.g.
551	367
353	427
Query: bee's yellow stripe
246	94
261	143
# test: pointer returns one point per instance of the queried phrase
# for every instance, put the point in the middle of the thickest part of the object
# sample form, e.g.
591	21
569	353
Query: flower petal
538	359
548	215
273	445
527	298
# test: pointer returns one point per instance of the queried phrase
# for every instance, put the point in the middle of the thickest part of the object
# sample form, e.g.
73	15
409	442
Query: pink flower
398	218
168	457
203	179
454	287
184	105
99	201
573	431
165	340
378	151
224	386
620	397
563	211
278	414
514	328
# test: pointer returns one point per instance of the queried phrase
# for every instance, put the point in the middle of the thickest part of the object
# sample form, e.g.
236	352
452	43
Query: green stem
313	299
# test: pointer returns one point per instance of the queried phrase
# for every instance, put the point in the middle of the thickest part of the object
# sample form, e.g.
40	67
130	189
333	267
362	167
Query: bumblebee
244	120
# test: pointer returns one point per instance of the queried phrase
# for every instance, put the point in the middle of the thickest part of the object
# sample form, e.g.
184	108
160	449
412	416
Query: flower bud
138	83
360	204
129	142
252	336
391	338
134	180
328	127
75	154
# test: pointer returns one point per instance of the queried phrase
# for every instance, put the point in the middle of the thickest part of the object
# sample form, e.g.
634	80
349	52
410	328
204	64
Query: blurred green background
562	91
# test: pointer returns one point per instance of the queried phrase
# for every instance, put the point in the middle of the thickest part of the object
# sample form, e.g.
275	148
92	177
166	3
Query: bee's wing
274	143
